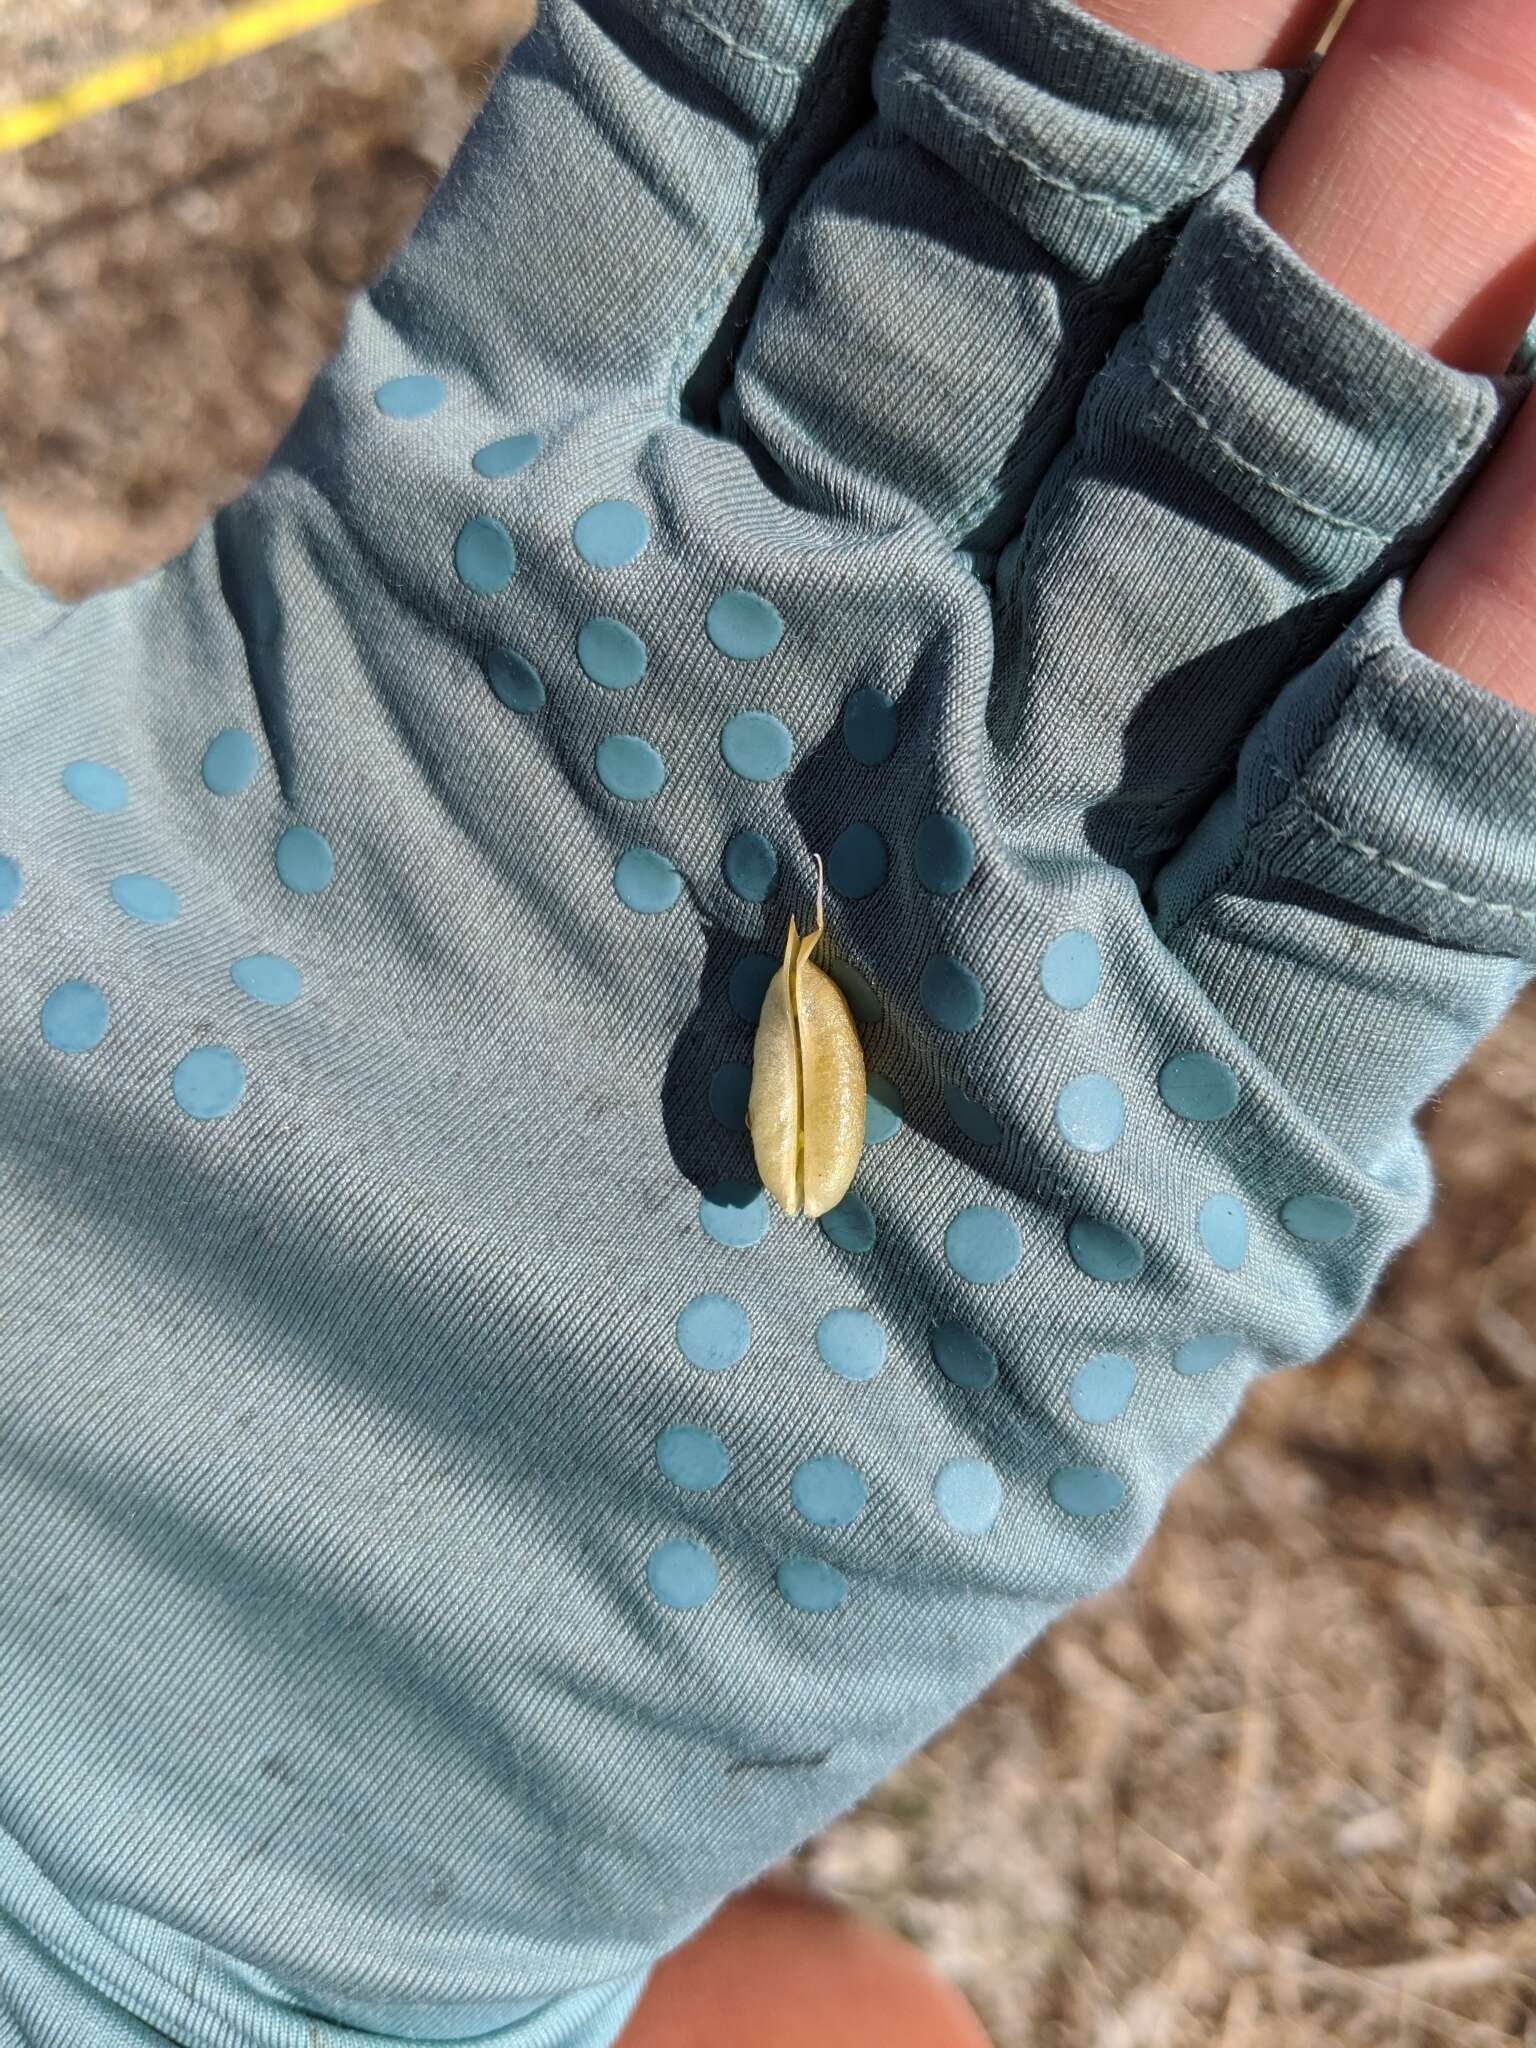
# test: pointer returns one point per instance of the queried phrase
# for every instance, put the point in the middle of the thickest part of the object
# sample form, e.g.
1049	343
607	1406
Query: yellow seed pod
806	1110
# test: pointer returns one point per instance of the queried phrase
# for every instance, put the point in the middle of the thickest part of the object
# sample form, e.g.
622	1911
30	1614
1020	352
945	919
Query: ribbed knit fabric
454	1530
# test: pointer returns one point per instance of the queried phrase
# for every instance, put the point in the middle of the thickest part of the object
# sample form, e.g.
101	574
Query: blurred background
1280	1786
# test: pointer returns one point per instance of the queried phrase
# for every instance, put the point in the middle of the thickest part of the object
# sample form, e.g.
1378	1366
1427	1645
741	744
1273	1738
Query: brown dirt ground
1280	1786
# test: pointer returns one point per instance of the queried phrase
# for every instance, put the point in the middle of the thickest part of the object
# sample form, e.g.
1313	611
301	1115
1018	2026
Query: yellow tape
134	77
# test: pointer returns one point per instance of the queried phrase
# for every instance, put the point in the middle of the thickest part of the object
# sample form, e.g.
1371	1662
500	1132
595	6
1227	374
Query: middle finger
950	282
1407	175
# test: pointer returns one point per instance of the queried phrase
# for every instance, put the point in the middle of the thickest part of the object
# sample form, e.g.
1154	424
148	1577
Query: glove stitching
1208	428
1000	142
1217	150
729	271
1292	782
985	501
1379	854
730	42
1454	458
1219	144
1244	852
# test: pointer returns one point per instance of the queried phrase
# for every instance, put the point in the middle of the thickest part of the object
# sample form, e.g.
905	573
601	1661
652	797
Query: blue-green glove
453	1530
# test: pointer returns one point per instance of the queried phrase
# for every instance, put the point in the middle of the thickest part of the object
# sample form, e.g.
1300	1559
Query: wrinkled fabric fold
959	270
1254	458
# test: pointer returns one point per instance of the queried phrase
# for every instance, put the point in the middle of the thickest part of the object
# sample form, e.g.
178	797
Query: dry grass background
1278	1788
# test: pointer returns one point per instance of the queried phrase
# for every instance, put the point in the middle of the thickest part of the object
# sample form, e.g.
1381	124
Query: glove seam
745	51
997	489
1399	867
1217	148
1000	142
1293	781
1217	143
1207	426
1273	268
731	269
1340	520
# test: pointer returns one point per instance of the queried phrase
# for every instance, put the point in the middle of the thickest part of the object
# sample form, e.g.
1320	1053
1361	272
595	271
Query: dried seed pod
806	1111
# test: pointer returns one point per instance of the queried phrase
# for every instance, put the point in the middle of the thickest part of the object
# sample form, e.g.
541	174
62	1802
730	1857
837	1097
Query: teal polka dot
144	898
869	727
850	1226
95	785
810	1585
1203	1354
1319	1219
611	535
951	994
858	991
208	1082
507	456
730	1090
973	1118
409	398
1070	970
610	654
646	881
962	1357
682	1575
1090	1114
748	985
304	861
982	1245
944	854
968	1494
74	1016
267	978
851	1342
694	1459
856	862
713	1332
750	864
229	762
828	1492
1195	1086
1101	1388
1103	1250
516	682
734	1213
628	767
757	745
1085	1490
484	555
882	1109
10	883
1224	1231
743	625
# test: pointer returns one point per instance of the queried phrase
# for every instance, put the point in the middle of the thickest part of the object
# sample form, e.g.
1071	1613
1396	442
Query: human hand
1408	179
453	1541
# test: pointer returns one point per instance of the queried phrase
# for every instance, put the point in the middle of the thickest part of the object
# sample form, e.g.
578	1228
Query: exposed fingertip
1471	604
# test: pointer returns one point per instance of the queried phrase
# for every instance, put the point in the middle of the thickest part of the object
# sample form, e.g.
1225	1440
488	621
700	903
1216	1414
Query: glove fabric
453	1530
